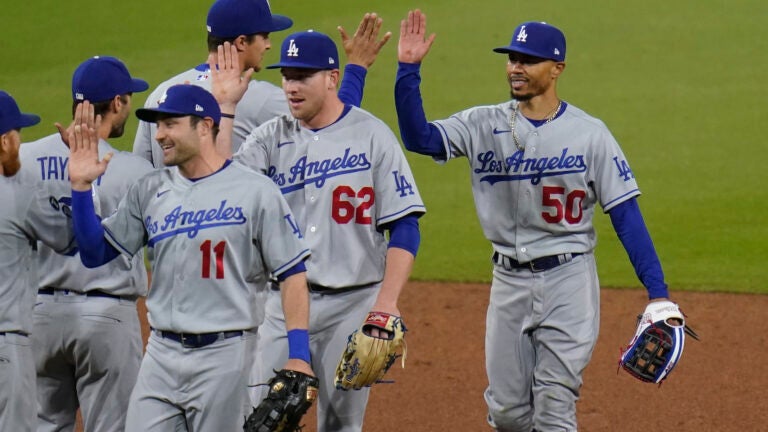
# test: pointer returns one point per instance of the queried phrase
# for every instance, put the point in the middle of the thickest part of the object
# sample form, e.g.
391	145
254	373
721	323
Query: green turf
676	82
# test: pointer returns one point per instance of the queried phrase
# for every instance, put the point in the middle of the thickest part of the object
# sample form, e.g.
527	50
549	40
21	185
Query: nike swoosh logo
496	131
159	194
284	143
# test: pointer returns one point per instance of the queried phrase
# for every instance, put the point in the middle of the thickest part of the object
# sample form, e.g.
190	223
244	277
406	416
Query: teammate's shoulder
256	86
46	145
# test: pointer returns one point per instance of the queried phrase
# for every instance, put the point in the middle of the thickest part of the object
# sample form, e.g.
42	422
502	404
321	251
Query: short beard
520	98
10	163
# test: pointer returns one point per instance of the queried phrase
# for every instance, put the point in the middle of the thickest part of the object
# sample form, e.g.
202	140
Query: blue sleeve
94	249
418	135
630	227
298	268
352	84
404	233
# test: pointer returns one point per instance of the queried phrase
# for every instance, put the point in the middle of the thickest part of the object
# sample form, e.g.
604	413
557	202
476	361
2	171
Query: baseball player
549	163
246	24
25	216
214	230
348	183
80	313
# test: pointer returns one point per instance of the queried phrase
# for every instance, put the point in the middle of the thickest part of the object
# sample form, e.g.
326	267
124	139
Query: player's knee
520	420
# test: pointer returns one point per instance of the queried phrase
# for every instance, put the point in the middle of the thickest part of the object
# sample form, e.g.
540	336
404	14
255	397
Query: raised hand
83	140
364	46
228	81
414	44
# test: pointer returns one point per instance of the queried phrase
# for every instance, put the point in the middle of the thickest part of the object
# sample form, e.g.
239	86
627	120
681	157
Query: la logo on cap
293	50
162	98
522	35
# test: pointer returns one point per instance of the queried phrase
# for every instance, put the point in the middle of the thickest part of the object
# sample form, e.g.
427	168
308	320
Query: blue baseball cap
101	78
308	50
11	117
537	39
232	18
183	100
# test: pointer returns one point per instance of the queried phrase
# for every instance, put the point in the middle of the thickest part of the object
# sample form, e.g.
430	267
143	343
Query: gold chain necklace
550	117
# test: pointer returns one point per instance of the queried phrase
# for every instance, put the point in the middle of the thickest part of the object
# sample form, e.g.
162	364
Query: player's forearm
352	84
398	270
418	135
93	247
295	298
630	227
224	138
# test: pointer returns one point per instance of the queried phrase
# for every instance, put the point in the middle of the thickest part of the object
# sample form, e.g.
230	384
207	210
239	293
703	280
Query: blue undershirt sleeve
352	84
630	227
94	249
298	268
404	233
418	135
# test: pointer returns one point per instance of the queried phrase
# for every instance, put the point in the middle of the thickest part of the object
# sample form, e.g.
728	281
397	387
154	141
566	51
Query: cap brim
280	22
299	65
139	85
508	49
27	120
151	114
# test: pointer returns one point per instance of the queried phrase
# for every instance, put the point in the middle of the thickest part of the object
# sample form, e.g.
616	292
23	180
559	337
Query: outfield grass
676	82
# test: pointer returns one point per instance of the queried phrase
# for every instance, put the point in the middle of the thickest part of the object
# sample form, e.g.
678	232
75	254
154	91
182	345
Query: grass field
676	82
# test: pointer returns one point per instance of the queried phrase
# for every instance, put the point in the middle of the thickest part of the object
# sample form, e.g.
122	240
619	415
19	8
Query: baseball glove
368	358
658	342
290	396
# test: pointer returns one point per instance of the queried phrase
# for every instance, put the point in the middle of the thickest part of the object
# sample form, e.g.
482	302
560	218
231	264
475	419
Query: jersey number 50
570	210
343	210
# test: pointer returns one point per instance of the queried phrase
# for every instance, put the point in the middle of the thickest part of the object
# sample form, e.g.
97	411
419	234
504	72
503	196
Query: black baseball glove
290	396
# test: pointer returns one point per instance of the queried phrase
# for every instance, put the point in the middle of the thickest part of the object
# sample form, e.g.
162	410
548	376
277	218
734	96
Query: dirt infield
720	384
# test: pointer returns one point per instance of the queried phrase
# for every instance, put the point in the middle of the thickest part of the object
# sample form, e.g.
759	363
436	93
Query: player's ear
116	104
240	43
557	69
332	78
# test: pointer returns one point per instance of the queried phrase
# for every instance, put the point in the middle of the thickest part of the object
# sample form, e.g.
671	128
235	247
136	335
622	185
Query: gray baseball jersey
46	161
210	243
550	189
343	183
78	364
260	103
26	216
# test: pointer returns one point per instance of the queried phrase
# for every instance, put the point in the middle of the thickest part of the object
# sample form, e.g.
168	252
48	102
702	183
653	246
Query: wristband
298	344
229	116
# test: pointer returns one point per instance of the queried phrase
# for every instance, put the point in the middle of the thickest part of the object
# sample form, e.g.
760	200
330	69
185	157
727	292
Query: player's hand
300	366
364	46
391	309
414	44
83	140
228	81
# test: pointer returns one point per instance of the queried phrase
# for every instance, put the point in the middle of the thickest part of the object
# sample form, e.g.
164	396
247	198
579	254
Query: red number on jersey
570	210
218	250
343	210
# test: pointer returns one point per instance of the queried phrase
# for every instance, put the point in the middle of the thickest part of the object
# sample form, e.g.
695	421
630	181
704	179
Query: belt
16	332
320	289
199	340
92	293
537	265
